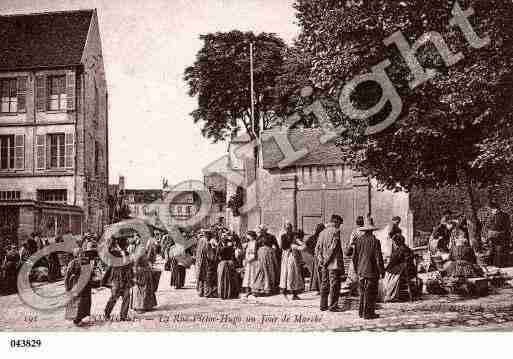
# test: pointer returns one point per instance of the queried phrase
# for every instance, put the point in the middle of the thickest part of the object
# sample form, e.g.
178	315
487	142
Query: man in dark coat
368	263
121	278
331	263
498	231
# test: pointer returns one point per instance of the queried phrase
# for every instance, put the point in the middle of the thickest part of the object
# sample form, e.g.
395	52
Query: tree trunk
475	226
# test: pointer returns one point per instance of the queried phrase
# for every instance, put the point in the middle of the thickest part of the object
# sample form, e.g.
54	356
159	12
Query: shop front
19	219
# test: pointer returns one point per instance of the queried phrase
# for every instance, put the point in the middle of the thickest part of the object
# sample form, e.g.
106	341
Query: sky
146	47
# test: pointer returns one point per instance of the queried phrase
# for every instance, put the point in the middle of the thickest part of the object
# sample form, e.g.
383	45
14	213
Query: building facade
53	124
308	191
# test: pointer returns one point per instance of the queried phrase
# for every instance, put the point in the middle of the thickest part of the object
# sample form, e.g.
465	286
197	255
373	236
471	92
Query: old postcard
256	165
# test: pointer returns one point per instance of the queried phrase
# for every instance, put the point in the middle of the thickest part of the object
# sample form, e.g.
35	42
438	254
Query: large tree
220	79
450	123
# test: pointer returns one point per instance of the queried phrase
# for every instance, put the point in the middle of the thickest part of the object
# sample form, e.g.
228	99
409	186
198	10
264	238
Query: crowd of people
454	258
48	268
261	264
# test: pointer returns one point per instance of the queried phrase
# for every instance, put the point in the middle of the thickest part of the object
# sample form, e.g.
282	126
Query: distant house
183	205
133	203
144	202
53	124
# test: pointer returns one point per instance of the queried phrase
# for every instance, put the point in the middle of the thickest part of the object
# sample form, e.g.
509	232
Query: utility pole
255	128
252	90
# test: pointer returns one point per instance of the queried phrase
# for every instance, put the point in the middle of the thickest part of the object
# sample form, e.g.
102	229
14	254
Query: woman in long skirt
228	282
311	243
80	305
399	270
177	270
211	268
10	269
177	274
291	277
266	277
250	261
143	293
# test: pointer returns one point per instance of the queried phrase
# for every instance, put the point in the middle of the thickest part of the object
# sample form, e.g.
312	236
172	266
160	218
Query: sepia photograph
255	166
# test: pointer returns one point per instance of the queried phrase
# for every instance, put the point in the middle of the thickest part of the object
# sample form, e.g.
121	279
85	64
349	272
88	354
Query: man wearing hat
331	264
121	277
368	263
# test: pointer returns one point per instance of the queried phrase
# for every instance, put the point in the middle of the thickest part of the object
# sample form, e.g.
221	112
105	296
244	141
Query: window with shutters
69	151
52	195
57	96
40	151
9	95
22	94
7	152
57	150
9	195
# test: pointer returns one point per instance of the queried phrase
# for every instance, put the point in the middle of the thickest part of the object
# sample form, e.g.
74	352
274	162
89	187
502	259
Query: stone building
53	124
310	190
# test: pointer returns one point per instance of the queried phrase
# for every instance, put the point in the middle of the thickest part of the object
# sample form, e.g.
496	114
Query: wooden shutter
22	94
19	152
40	152
69	150
40	93
70	90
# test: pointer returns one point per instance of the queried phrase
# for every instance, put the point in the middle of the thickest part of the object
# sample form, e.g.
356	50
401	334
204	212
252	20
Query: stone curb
454	307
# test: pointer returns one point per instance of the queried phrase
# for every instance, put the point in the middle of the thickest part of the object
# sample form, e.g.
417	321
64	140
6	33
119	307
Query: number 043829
25	343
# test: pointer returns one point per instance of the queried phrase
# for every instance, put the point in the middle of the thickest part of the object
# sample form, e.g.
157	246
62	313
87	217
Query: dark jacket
329	248
401	260
367	257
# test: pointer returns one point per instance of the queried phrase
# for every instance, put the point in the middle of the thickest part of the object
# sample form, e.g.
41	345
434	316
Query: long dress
291	278
143	292
463	263
228	282
211	263
201	266
80	306
11	266
54	267
398	272
266	277
251	264
177	274
311	243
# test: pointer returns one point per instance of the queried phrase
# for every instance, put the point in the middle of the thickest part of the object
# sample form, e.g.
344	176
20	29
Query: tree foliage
452	127
220	79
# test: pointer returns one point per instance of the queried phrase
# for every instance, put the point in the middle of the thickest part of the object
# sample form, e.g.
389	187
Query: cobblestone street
184	310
